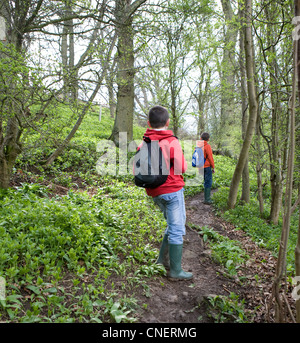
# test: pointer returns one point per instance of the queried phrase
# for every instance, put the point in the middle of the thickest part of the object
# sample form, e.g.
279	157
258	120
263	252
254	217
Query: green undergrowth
228	253
247	217
76	166
59	256
226	309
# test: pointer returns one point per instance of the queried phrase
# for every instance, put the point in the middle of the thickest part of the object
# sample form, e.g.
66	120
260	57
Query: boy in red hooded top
169	196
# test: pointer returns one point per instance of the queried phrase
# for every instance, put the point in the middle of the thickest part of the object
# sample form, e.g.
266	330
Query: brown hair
205	136
158	116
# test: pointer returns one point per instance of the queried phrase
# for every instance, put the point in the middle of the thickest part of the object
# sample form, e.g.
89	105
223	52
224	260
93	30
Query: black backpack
150	166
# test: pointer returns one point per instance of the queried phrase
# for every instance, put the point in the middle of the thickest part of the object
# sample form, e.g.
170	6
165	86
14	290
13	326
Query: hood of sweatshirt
157	135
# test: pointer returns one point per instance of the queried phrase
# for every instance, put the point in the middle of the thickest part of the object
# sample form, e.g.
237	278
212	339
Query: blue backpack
198	159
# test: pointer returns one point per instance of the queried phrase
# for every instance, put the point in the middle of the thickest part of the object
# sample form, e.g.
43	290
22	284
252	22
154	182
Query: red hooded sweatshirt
173	154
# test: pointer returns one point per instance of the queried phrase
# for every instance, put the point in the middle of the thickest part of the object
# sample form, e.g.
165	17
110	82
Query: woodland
78	240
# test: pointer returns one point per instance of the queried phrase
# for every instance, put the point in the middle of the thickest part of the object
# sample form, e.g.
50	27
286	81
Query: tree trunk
259	169
123	12
245	175
228	67
10	149
125	83
253	107
297	72
10	146
110	88
174	116
64	60
73	70
70	82
276	153
281	261
201	98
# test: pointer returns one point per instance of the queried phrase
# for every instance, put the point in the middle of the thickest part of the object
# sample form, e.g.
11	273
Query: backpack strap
148	139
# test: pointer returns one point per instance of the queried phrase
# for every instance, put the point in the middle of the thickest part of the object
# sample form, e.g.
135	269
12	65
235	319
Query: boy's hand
213	170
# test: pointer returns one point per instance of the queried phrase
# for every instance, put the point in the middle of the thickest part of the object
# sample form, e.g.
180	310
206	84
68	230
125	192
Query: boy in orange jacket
209	168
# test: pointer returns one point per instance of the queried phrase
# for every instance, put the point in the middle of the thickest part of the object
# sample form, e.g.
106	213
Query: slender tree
253	106
297	73
245	197
281	261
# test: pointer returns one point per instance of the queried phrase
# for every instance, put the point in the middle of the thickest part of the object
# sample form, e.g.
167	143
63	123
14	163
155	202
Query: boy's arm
209	156
177	156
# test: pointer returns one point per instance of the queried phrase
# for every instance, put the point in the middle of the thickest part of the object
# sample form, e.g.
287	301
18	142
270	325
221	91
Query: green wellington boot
163	257
176	272
207	199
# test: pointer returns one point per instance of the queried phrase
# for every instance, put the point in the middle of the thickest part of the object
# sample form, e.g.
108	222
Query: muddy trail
187	301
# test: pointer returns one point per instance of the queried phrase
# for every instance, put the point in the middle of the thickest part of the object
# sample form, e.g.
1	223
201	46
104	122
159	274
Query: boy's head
158	117
205	136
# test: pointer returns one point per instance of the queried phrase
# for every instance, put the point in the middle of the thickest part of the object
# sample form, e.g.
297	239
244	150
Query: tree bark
245	197
259	169
281	261
10	146
276	177
70	90
228	66
297	72
253	107
123	13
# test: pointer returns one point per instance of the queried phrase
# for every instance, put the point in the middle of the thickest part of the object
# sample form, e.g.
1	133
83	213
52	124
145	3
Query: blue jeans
207	177
173	207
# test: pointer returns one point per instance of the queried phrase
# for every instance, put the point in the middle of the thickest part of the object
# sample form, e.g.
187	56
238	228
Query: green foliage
12	70
224	309
50	248
247	216
227	252
77	163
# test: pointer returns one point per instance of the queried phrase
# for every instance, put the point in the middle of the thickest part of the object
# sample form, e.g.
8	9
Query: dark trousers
207	177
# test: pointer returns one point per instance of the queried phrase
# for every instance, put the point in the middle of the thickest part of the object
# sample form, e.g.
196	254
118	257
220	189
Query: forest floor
186	301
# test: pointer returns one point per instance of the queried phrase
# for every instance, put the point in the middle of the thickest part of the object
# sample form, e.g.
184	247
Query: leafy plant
44	239
224	309
227	252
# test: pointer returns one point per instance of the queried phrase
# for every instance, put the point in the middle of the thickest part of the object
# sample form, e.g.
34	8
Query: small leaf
34	289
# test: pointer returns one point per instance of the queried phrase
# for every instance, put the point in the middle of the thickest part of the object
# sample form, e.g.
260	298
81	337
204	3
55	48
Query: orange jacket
208	155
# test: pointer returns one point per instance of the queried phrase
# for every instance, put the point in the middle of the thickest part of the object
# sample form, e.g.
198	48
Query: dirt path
182	301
